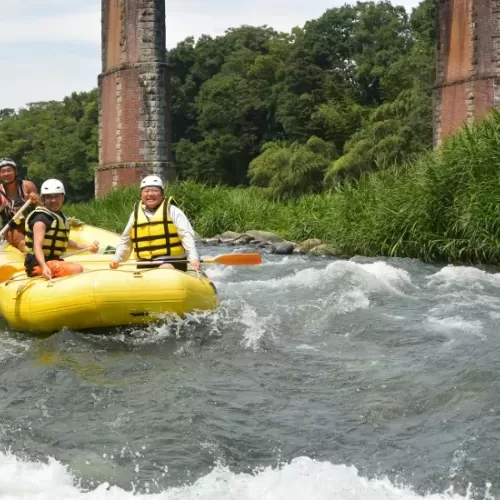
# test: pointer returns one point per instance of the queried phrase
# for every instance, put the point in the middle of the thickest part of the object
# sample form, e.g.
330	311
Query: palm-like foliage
289	171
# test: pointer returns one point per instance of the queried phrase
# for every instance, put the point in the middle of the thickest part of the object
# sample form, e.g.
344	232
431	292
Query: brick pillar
467	63
134	95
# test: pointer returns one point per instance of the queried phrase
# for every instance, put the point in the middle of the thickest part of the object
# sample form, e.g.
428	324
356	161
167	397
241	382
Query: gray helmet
7	162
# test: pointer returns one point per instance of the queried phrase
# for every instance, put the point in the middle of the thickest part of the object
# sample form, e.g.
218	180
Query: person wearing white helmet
47	236
157	231
13	194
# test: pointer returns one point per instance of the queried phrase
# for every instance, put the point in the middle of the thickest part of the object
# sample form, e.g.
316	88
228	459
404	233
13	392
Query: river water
316	379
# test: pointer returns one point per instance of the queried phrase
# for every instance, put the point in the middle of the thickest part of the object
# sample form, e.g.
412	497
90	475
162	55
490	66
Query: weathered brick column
134	104
467	63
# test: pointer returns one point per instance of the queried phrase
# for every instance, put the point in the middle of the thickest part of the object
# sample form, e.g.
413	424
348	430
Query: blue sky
50	48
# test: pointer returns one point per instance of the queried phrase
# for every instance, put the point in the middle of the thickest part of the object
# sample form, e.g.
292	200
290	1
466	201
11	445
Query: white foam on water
395	317
470	277
457	324
393	277
350	301
216	273
377	276
303	478
463	300
285	261
255	326
321	313
306	347
340	288
173	327
11	347
220	272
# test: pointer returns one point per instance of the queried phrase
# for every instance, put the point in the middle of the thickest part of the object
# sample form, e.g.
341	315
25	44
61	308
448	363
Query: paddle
231	259
8	270
16	216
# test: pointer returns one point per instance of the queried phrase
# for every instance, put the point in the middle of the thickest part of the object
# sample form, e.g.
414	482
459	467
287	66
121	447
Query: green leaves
290	171
56	139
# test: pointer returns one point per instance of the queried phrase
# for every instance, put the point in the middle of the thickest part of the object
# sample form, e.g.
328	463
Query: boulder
228	235
285	248
265	236
325	249
243	240
265	245
307	245
211	241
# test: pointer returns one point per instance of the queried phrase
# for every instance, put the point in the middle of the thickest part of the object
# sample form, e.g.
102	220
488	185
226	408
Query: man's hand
195	264
34	198
94	248
114	264
46	272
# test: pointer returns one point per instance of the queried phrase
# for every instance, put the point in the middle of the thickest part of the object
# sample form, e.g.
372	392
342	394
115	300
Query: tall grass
211	210
444	206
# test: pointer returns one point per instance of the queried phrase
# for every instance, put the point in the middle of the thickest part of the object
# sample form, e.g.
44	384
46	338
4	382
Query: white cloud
82	26
71	31
47	79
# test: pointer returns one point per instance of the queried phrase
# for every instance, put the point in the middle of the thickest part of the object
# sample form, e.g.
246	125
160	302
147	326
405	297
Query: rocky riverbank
272	243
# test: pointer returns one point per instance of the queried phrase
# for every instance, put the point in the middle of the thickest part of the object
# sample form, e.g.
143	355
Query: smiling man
157	230
14	192
47	236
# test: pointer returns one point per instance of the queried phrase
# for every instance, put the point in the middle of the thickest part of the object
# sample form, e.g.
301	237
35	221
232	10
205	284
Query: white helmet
52	186
152	181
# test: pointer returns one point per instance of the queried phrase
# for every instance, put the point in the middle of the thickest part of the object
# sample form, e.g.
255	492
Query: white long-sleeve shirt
184	229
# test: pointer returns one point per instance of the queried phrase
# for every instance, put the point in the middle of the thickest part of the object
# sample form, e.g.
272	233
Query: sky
51	48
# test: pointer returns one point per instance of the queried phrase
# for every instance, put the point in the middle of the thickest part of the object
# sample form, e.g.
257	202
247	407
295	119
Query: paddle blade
236	259
7	271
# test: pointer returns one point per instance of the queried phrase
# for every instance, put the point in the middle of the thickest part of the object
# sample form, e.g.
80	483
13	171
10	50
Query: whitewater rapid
316	379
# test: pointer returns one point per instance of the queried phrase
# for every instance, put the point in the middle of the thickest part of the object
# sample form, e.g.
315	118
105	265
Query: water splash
302	478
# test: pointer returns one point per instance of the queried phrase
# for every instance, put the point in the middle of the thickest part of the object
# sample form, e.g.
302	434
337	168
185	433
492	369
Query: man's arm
29	187
39	229
124	247
186	232
4	201
31	192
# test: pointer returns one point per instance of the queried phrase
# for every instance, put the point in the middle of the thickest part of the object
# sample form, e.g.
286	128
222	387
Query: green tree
289	171
56	139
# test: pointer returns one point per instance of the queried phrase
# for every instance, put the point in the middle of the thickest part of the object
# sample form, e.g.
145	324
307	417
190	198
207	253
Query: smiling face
7	174
151	197
53	201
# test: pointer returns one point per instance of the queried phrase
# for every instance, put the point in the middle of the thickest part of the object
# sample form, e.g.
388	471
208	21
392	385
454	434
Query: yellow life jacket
156	237
56	237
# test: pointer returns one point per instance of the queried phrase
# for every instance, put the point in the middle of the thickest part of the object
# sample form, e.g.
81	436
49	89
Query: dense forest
292	113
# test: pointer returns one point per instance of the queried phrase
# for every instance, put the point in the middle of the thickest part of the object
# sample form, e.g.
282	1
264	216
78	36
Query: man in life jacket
13	194
47	236
157	230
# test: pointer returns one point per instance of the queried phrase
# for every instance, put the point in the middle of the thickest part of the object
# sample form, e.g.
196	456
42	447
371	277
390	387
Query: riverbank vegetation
442	207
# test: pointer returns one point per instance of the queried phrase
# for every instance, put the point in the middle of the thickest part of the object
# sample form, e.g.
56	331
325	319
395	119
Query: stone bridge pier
134	95
467	63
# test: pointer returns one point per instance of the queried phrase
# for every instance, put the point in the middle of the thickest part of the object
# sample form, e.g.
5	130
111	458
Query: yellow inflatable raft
99	297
